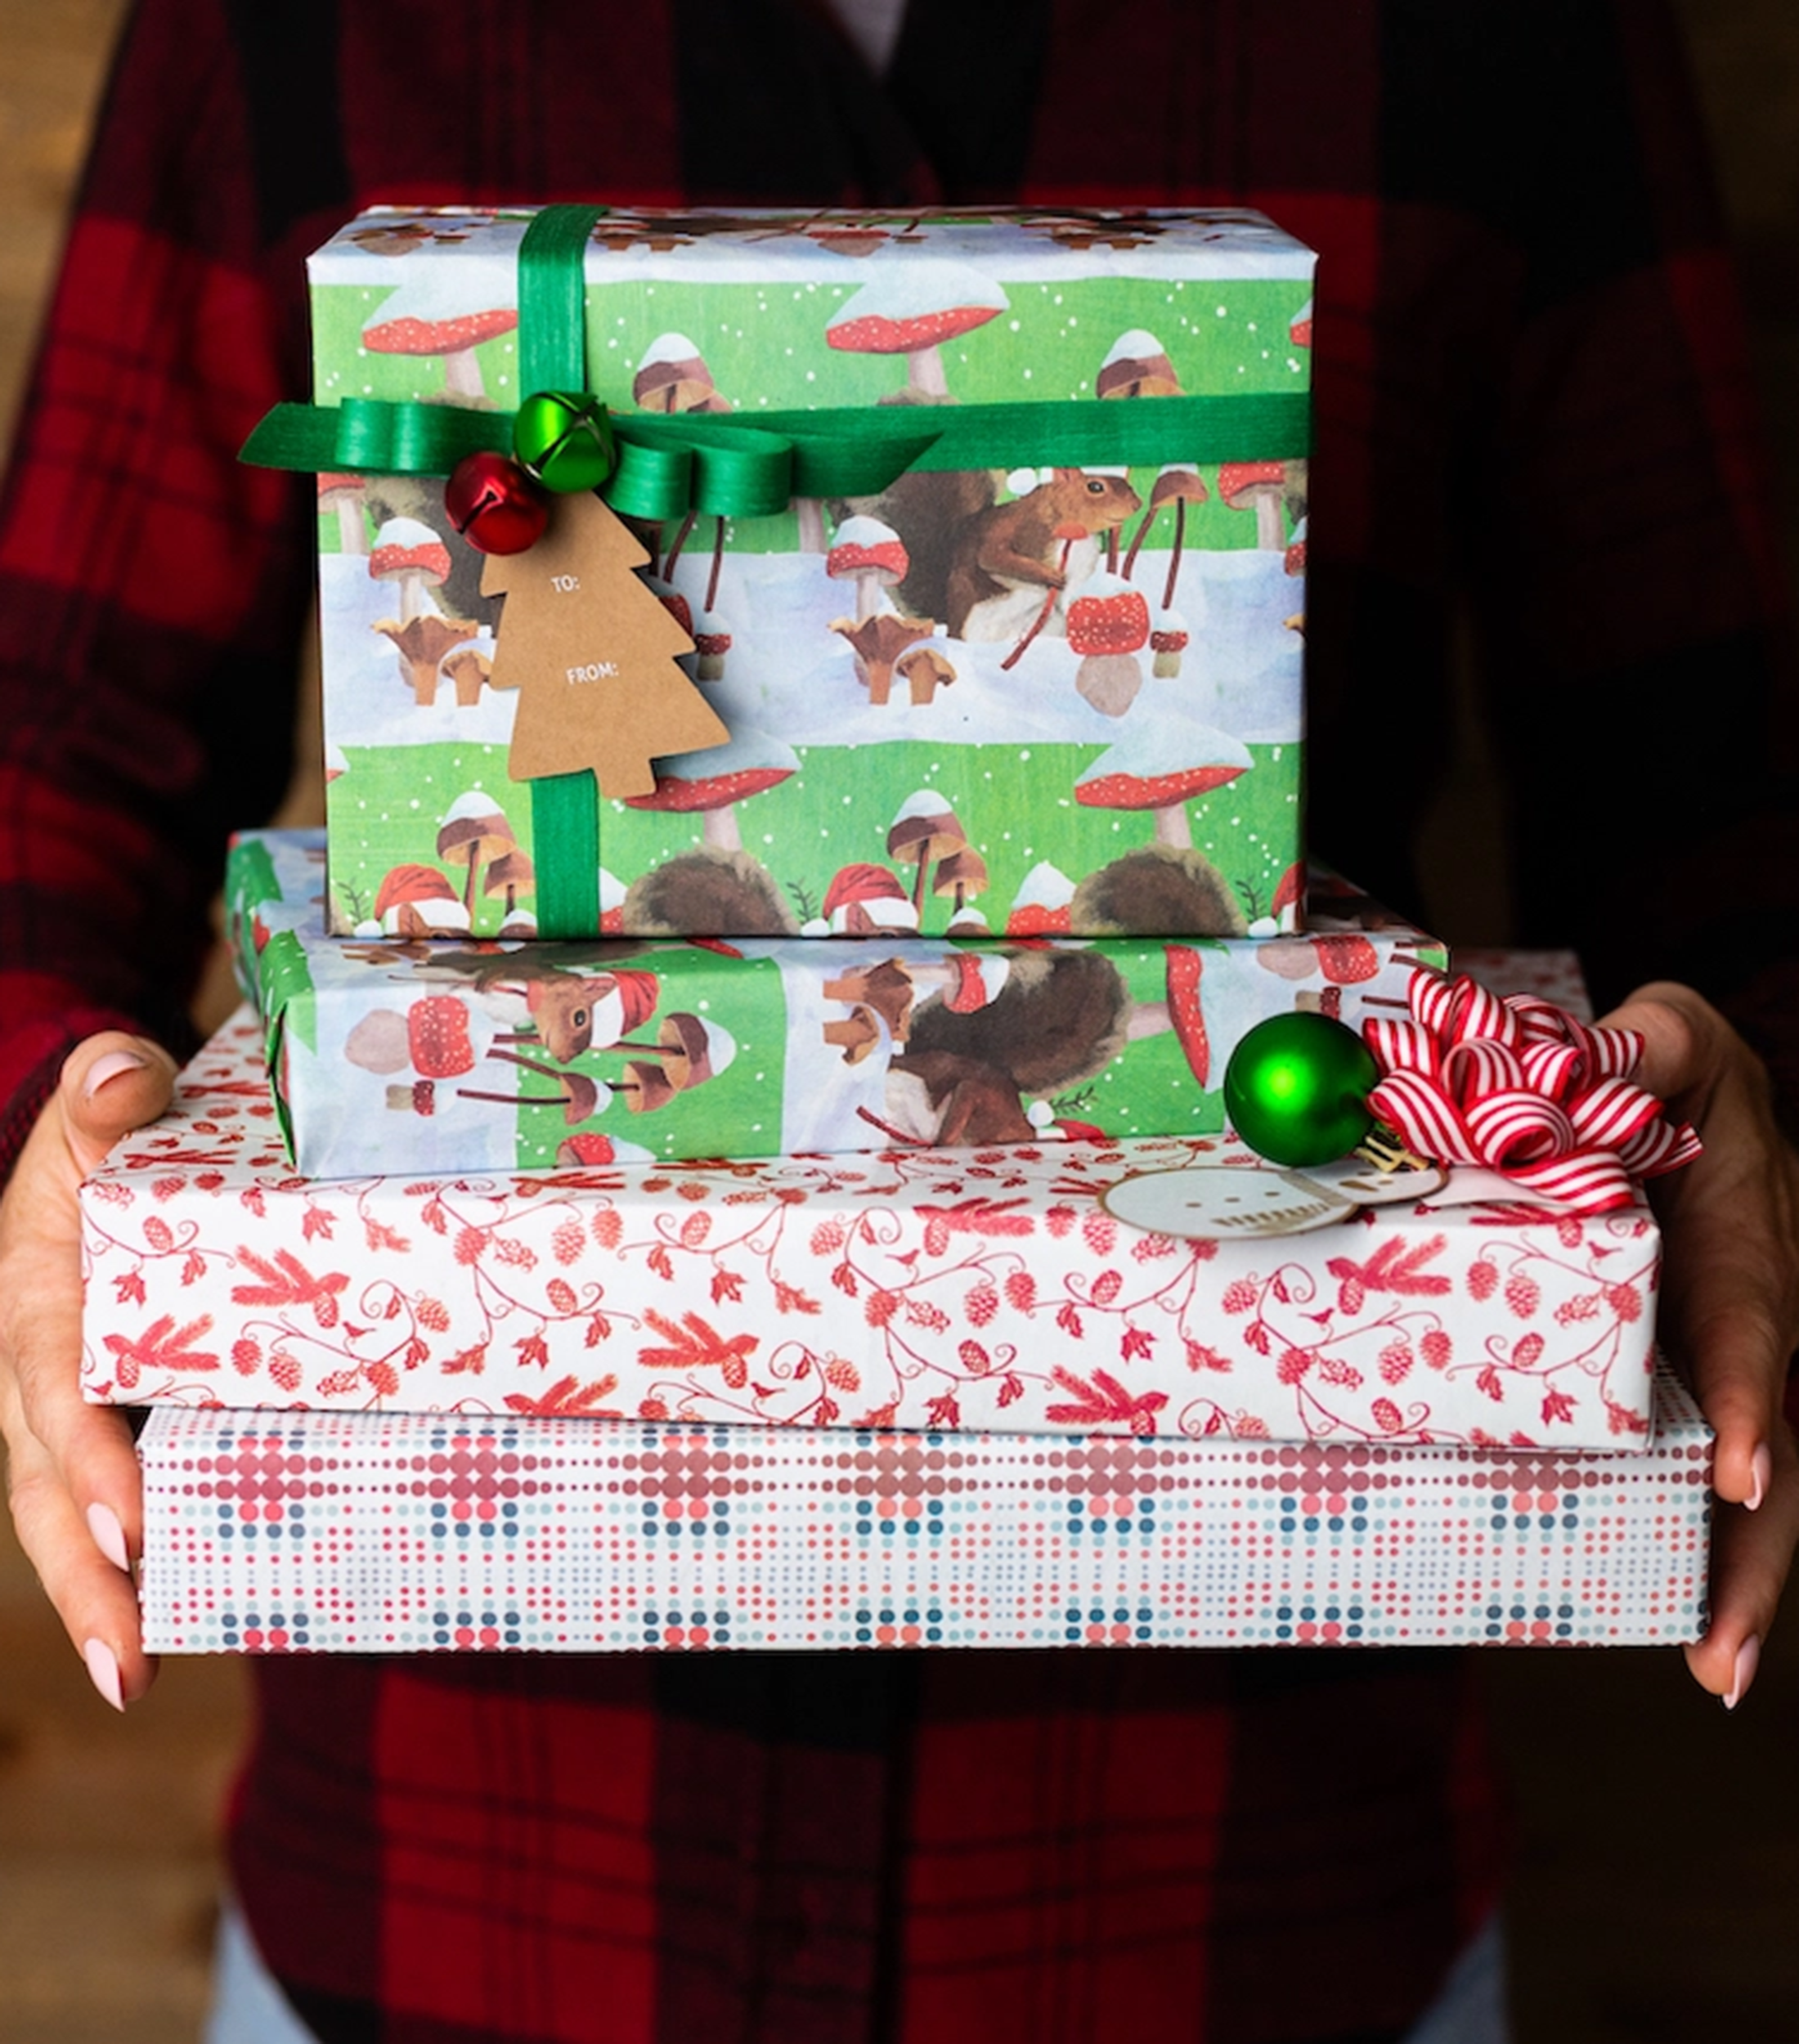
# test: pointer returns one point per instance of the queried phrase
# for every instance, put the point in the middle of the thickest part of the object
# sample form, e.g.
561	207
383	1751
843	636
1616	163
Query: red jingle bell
494	504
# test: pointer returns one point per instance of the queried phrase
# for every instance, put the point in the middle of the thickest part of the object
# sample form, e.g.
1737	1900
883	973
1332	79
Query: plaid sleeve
1631	603
152	587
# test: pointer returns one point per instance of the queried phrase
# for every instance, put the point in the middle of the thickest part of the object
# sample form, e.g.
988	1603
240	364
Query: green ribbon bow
731	466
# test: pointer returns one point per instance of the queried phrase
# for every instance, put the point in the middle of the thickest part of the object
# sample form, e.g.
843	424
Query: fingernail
104	1070
1748	1655
1761	1475
109	1535
103	1671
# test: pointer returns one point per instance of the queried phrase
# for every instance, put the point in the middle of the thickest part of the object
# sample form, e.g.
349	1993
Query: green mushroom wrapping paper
404	1054
1056	687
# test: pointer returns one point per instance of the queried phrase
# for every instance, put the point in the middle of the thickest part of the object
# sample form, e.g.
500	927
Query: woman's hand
72	1476
1729	1310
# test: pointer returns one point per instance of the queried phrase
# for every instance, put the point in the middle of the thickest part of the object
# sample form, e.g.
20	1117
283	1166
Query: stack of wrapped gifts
743	1137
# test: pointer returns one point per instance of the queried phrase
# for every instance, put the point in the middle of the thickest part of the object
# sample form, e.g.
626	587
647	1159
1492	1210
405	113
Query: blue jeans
248	2008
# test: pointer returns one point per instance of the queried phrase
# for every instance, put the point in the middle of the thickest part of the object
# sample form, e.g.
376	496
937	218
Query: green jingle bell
1296	1089
564	440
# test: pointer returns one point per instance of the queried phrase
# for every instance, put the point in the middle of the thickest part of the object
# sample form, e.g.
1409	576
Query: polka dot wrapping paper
1074	1288
362	1532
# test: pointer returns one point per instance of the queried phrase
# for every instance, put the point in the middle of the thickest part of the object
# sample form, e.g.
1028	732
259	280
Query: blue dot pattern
324	1531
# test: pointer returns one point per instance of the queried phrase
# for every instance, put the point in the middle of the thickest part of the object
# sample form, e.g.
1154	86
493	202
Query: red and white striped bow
1519	1086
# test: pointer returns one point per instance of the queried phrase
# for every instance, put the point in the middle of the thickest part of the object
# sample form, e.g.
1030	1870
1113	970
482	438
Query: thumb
111	1084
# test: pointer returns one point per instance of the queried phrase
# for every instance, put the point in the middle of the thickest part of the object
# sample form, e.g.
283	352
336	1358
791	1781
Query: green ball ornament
564	440
1296	1089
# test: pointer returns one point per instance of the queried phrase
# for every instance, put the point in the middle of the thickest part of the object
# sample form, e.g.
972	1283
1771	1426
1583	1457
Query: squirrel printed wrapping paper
1054	694
399	1053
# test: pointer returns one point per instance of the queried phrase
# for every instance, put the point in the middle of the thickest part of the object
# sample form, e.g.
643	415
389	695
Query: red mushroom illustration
1299	327
911	309
413	558
427	316
1181	1011
710	784
872	556
1169	637
345	496
1108	625
1296	565
1131	775
864	900
418	901
1041	906
1260	487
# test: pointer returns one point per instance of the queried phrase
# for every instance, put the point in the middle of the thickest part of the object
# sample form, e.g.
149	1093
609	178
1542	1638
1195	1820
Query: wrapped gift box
405	1055
1074	1287
342	1532
1061	678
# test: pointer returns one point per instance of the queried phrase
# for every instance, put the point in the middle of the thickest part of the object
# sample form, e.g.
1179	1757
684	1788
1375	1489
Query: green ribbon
738	465
752	465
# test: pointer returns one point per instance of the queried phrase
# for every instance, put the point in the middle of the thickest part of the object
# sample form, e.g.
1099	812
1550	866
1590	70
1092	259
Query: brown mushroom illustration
673	377
1178	484
1260	487
689	1051
422	642
511	874
422	318
926	829
924	671
710	784
1136	366
576	1094
877	643
1108	625
961	874
468	669
912	309
474	833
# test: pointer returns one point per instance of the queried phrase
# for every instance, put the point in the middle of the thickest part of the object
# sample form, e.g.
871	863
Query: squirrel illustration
983	567
963	1076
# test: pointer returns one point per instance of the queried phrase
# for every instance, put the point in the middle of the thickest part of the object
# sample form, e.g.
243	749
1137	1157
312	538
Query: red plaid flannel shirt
1531	415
